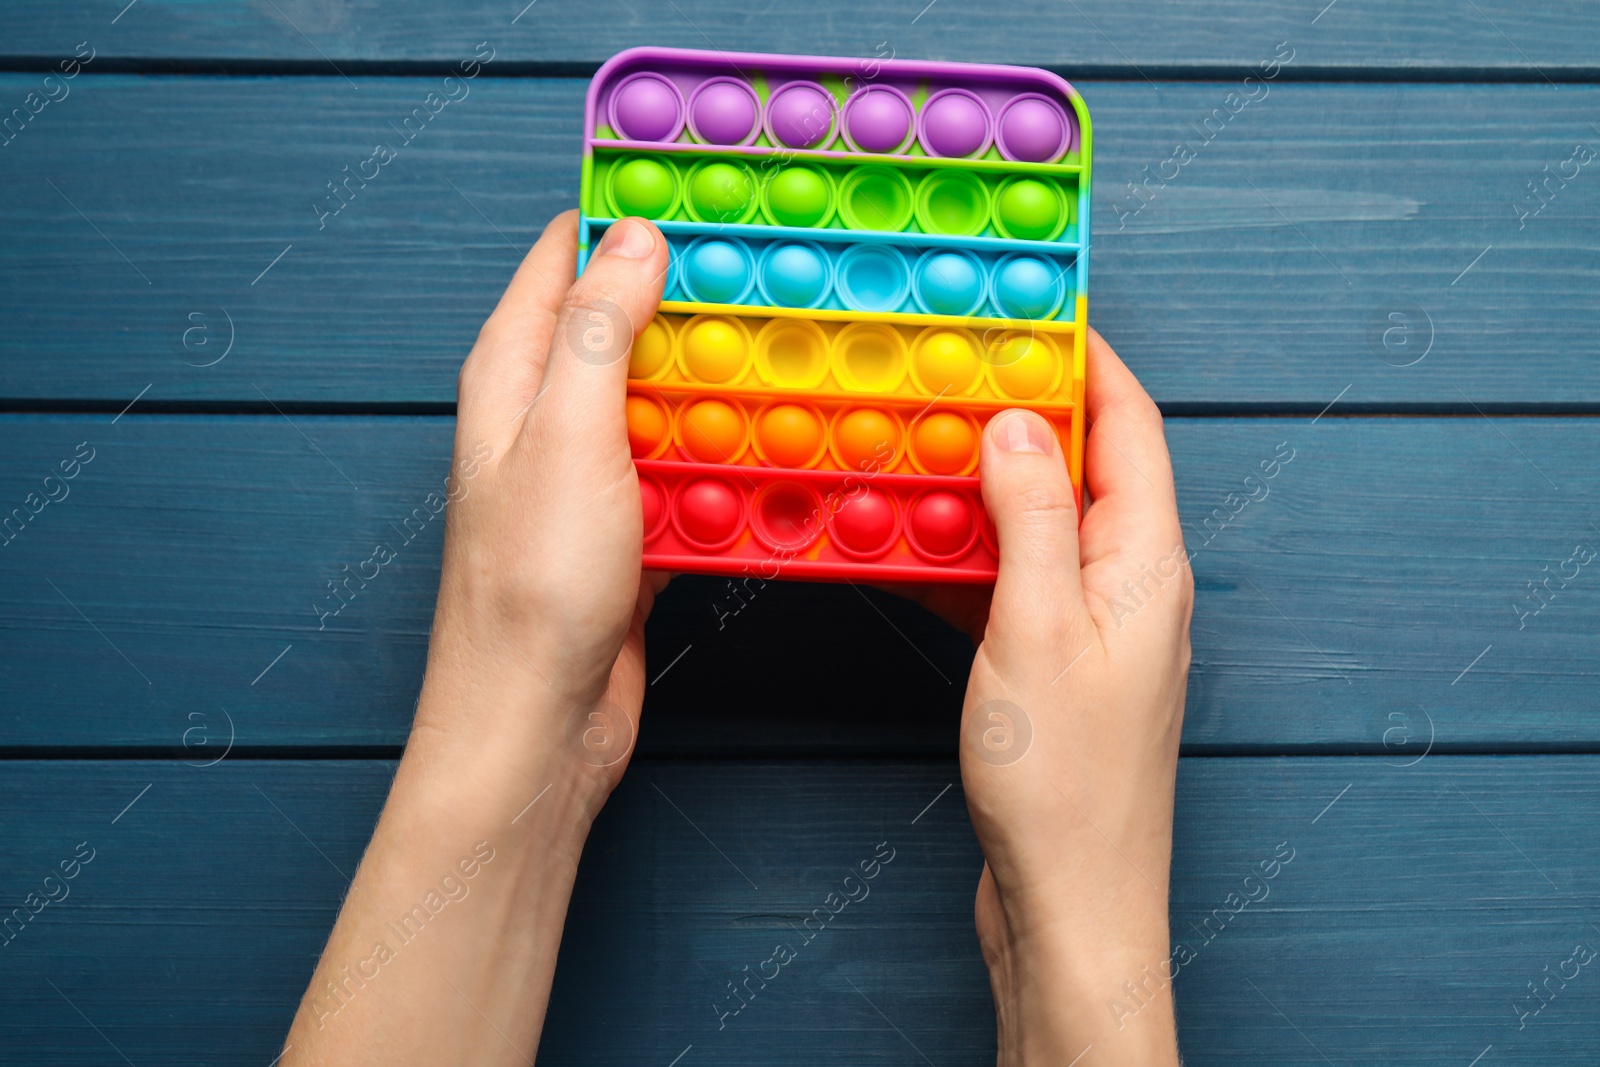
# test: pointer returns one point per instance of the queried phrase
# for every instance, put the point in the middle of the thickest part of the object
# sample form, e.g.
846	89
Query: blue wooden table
1379	260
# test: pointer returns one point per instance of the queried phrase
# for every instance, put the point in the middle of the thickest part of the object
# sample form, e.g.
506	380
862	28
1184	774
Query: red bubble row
816	524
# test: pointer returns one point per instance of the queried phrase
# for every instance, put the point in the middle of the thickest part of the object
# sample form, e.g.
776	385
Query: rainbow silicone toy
869	260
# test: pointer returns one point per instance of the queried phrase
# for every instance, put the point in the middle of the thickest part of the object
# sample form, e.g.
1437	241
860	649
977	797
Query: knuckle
1138	413
591	294
596	328
1044	503
467	377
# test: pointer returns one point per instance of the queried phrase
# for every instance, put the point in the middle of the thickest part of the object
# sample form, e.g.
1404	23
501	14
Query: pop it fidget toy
869	260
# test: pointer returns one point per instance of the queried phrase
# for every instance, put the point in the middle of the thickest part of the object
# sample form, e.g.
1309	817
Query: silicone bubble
946	361
720	192
873	278
866	440
798	196
789	435
646	107
717	271
875	198
647	426
953	202
944	443
1032	129
954	122
724	111
709	513
792	353
713	431
644	187
866	523
800	115
714	349
878	119
948	282
669	286
794	274
1024	366
653	502
1030	210
652	350
869	357
1028	287
942	525
786	516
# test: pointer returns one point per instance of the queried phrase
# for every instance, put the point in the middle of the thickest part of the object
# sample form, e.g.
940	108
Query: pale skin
539	635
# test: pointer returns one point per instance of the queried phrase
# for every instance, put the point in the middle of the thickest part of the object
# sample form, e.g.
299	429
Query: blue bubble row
789	273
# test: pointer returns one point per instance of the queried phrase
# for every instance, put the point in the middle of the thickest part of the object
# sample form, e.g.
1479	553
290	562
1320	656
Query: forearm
446	945
1087	990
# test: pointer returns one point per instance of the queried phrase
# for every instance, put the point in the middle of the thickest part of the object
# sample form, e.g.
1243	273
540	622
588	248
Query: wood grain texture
1405	926
1359	582
1261	277
1415	36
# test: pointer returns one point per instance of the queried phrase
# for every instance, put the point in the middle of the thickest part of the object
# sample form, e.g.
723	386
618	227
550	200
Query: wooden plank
1262	277
1094	36
1374	584
1416	907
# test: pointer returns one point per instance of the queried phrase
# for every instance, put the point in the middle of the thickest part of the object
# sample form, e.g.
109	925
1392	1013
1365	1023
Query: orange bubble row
807	432
1009	363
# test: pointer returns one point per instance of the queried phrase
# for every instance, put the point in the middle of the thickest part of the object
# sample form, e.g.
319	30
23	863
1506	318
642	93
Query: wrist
472	841
1052	1005
1064	982
498	741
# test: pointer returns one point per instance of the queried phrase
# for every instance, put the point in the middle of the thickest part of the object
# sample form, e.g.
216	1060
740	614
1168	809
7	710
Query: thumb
1038	597
606	308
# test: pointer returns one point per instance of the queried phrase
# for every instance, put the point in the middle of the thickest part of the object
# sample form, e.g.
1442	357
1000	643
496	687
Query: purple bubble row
1029	127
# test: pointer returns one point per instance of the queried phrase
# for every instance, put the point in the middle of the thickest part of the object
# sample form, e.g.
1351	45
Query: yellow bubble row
1008	363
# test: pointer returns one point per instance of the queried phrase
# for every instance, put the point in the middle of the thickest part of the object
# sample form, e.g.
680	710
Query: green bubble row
815	194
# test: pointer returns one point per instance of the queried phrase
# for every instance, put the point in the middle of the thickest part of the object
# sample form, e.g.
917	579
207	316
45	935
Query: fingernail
628	238
1023	431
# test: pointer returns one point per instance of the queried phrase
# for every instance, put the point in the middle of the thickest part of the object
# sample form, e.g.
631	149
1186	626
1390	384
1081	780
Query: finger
966	607
501	375
1038	596
1127	469
656	581
583	394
